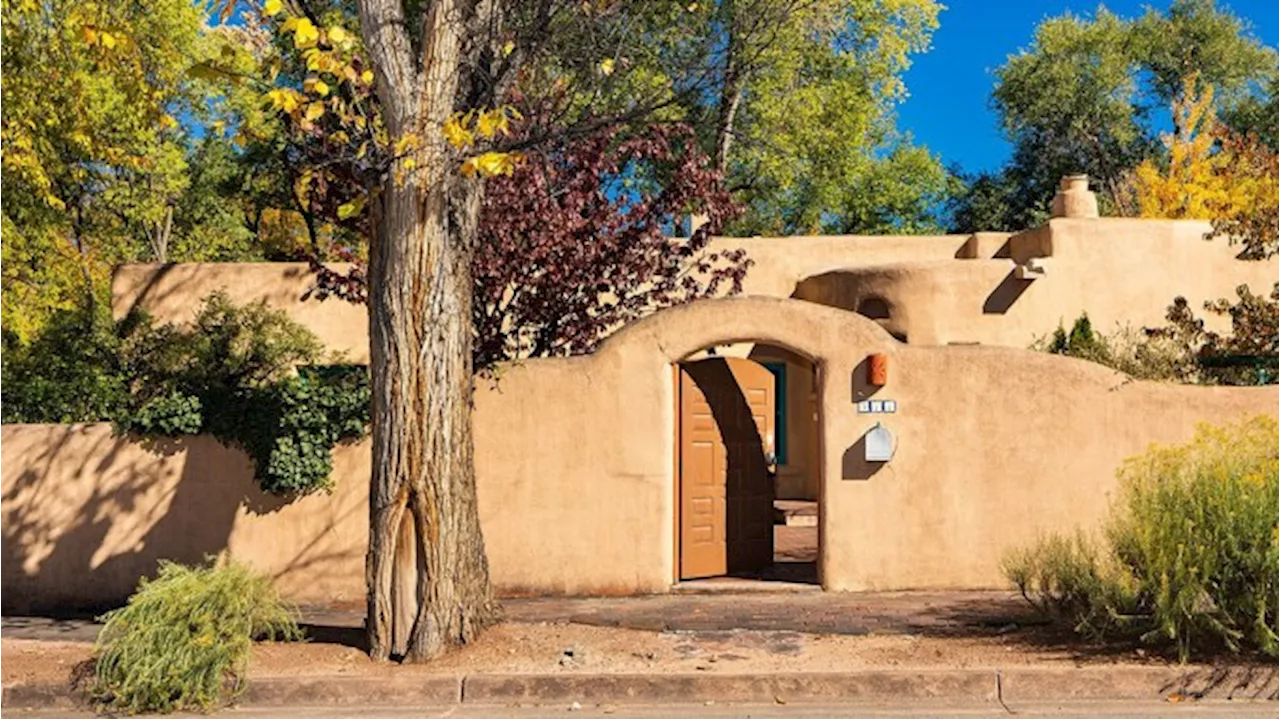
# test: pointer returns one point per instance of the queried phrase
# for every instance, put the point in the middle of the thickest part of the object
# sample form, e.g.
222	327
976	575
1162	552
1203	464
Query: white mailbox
879	443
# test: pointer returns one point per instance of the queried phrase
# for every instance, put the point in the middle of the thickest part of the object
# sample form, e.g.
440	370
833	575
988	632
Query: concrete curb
427	690
924	685
726	688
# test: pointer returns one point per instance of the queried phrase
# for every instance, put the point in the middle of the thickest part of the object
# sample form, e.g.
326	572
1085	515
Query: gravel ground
555	648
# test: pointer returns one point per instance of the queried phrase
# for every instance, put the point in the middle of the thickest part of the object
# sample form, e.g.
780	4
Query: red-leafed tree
578	241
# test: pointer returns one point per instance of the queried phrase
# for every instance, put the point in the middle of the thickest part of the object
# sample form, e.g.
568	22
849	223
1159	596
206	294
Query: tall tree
801	118
446	76
1088	93
91	148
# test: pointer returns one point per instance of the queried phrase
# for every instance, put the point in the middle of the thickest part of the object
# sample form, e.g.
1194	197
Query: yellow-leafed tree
1193	182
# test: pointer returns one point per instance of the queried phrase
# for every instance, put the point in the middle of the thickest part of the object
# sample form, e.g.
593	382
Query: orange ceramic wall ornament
877	370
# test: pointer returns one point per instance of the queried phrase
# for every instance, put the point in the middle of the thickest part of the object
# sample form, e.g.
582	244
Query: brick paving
817	612
954	613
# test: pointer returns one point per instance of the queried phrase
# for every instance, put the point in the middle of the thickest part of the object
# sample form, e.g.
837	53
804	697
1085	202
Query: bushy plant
1137	353
1189	556
1249	355
1067	578
67	373
288	428
247	374
183	640
244	375
229	347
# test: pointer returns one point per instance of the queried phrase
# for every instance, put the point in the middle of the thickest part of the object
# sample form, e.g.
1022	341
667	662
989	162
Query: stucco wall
576	479
172	293
1119	271
85	514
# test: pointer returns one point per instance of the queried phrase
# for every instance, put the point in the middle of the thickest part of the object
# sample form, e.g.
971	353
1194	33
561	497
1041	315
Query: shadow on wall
89	514
158	288
854	464
1005	294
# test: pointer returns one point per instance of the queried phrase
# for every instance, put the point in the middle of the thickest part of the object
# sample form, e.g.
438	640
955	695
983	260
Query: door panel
726	494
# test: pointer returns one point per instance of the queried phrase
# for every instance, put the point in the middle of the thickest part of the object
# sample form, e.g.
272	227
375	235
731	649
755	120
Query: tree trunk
420	291
724	123
730	98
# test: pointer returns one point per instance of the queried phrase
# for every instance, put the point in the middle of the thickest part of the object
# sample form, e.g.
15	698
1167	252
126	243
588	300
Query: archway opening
748	467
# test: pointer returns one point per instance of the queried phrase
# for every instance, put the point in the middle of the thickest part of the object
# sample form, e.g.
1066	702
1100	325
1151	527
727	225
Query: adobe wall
172	293
574	460
85	514
1119	271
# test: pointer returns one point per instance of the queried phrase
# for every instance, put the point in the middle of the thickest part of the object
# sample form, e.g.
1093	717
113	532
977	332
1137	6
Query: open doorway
747	467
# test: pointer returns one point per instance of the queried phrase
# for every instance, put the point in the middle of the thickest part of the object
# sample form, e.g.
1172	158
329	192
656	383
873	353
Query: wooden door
726	494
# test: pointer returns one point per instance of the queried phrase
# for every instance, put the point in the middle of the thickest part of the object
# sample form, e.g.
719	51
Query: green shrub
247	374
1069	579
67	373
183	640
289	428
243	374
1190	555
1136	353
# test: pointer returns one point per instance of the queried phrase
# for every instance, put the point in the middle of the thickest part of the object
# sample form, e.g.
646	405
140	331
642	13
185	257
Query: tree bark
420	291
730	99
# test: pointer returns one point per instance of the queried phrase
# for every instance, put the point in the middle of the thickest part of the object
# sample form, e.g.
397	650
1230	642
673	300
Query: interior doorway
746	446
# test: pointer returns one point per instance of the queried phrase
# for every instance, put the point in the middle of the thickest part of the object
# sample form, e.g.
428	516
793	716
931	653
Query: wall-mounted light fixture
877	370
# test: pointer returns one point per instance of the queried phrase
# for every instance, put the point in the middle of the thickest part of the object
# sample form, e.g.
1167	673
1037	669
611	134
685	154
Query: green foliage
1065	579
1136	353
1190	557
229	347
67	373
232	375
288	428
992	202
1249	355
183	640
815	148
248	375
801	94
1085	95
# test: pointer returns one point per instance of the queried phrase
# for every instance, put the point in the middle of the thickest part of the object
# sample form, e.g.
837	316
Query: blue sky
949	108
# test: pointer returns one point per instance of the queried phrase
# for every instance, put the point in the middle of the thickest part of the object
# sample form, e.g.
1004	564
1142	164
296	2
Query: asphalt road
1076	710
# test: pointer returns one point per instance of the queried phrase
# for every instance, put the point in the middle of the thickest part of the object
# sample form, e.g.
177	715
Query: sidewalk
960	647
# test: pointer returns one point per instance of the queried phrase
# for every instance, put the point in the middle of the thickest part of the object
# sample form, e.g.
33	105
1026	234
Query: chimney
1074	198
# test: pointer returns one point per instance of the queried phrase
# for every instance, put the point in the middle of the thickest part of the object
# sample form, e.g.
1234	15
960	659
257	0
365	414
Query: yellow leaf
283	99
337	35
90	35
314	111
606	66
316	85
167	121
54	202
492	122
272	7
508	48
490	164
300	189
351	208
108	41
406	142
305	34
367	77
455	132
